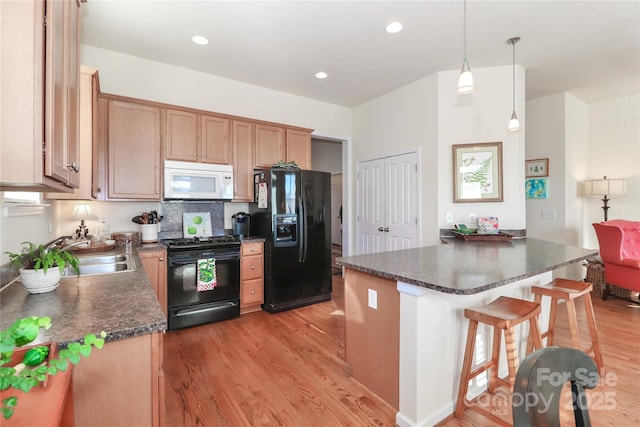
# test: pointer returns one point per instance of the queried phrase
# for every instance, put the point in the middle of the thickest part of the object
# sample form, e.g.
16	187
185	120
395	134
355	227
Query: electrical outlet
548	214
373	299
449	217
473	218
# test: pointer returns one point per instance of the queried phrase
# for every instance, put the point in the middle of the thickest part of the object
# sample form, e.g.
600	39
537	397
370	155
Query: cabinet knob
157	192
74	167
195	155
161	259
204	155
253	250
253	267
253	291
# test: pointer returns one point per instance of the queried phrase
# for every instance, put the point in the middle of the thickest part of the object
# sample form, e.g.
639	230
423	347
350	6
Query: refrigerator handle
304	228
300	225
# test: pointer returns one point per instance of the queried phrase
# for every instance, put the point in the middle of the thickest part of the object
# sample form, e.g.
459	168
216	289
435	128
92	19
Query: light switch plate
373	299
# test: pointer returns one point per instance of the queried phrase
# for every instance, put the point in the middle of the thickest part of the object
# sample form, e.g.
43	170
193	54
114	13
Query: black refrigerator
292	212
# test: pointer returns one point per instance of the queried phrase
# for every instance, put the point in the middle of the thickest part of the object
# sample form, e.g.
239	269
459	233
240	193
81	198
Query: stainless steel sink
102	264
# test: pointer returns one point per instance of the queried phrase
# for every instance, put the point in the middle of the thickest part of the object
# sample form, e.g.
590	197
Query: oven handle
190	311
235	257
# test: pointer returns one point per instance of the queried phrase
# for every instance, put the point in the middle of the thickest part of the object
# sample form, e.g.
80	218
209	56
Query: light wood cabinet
134	151
243	137
155	265
195	137
39	103
299	148
88	188
251	276
125	376
269	146
274	144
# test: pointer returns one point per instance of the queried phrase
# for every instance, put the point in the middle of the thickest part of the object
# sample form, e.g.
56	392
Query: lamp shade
605	187
83	212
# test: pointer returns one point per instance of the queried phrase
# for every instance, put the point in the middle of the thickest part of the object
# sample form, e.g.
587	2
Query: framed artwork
536	167
537	188
477	172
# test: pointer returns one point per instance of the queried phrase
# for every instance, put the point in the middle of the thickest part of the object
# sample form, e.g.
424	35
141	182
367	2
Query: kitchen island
121	384
404	310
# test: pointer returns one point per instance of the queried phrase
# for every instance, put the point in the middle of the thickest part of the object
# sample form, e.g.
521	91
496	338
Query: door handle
386	230
380	229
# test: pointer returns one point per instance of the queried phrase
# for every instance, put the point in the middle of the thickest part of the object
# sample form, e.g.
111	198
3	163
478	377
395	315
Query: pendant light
514	124
465	81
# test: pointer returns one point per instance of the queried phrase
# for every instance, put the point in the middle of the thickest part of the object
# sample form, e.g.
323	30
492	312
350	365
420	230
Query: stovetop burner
201	242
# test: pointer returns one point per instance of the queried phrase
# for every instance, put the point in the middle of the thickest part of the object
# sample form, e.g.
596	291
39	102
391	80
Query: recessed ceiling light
321	75
200	40
393	27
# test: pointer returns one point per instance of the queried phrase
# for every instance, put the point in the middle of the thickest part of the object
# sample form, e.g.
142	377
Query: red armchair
619	241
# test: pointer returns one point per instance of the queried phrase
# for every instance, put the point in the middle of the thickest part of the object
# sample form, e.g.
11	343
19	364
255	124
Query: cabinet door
181	136
270	145
299	148
72	95
216	145
134	151
243	141
156	267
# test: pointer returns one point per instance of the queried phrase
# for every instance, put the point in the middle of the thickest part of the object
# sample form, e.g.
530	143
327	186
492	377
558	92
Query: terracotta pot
37	281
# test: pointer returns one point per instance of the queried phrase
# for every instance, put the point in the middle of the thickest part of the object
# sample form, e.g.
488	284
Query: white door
401	205
370	207
387	203
336	204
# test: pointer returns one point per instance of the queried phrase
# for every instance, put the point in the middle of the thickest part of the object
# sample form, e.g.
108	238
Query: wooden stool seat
503	314
569	290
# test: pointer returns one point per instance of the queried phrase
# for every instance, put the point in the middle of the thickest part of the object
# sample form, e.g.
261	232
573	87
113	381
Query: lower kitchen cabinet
121	384
155	264
251	276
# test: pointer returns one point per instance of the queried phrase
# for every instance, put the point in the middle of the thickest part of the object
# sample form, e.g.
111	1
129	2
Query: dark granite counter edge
447	290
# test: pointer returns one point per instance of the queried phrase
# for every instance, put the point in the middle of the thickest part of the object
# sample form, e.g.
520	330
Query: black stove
202	242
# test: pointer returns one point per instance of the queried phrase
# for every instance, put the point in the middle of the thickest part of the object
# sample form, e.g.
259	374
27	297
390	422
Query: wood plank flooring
288	369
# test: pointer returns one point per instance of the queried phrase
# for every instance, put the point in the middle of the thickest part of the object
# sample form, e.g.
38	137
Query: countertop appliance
187	306
292	212
192	181
241	223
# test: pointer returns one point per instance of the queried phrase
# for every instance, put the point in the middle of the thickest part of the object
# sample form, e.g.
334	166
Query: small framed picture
536	167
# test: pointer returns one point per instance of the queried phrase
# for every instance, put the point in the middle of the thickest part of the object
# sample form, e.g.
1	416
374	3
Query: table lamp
605	187
82	213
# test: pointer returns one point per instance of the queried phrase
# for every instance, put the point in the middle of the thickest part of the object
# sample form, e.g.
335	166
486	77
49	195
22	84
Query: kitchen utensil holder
149	233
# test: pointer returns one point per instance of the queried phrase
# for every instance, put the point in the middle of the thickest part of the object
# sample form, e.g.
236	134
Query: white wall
482	116
402	121
613	150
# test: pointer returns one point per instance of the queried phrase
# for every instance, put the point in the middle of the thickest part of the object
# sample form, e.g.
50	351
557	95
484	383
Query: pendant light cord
464	32
514	74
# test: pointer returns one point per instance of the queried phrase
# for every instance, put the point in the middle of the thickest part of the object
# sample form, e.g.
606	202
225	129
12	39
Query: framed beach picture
537	188
536	167
477	172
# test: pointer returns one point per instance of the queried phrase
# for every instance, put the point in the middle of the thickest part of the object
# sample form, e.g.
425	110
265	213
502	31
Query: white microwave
189	180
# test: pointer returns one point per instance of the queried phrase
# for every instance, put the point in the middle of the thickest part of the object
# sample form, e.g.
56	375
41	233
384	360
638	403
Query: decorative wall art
537	188
477	172
536	167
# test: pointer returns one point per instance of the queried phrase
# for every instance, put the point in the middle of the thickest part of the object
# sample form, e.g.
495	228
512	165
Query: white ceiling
588	48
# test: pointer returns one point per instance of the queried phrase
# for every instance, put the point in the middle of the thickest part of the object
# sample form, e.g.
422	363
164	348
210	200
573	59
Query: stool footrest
482	368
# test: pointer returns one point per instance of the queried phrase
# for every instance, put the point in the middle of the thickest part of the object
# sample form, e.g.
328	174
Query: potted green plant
36	364
37	266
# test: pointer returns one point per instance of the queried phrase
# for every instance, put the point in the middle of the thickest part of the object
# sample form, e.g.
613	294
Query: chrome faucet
60	241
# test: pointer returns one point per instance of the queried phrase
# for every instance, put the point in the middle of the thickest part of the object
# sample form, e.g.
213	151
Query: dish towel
206	274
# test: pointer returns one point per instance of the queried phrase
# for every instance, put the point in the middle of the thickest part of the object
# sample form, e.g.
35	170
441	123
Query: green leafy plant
34	368
41	257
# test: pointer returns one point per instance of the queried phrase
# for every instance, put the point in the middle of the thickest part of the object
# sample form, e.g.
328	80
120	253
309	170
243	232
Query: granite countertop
468	267
122	304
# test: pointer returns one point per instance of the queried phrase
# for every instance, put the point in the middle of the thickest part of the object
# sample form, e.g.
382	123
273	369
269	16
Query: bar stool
569	290
503	314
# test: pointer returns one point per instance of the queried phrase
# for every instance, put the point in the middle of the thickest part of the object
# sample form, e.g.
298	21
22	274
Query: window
21	203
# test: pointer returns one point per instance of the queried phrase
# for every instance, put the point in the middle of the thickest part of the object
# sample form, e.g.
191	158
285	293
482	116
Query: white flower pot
37	282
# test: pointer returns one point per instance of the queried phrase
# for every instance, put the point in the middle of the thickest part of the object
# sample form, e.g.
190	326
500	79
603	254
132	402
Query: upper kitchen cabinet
269	146
39	86
299	148
134	151
274	144
243	136
195	137
88	106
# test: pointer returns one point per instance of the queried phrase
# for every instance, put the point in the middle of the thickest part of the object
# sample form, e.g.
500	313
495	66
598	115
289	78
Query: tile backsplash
171	225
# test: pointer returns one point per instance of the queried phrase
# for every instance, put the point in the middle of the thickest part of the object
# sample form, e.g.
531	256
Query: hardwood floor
288	369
